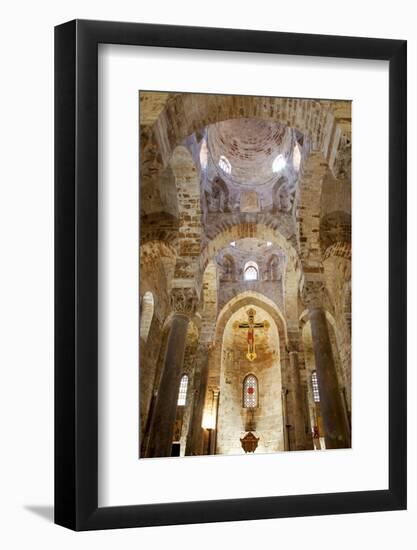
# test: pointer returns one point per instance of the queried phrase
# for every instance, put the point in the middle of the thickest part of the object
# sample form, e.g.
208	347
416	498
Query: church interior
245	274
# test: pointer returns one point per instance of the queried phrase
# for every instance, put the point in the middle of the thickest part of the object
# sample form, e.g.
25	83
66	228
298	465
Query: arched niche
234	418
246	299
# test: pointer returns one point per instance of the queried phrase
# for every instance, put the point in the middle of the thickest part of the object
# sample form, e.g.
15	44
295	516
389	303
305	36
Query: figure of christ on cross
251	326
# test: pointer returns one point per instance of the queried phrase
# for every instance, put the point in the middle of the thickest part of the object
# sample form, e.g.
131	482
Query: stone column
336	436
183	303
195	438
296	393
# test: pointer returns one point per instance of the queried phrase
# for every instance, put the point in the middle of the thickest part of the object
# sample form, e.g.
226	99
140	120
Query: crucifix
251	326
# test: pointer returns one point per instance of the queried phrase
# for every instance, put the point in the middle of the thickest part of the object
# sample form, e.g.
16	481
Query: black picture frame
76	272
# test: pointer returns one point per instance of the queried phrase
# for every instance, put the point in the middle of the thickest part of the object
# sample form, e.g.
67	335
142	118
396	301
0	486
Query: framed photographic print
230	275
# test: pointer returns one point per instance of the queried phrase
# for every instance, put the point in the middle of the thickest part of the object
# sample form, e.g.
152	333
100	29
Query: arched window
250	391
225	165
147	308
182	393
251	271
315	386
278	164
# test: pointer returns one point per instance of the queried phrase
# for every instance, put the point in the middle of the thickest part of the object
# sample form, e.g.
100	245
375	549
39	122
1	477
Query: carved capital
313	293
184	300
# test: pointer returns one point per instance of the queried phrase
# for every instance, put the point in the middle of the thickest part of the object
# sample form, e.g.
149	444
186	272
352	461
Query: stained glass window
250	391
315	385
182	394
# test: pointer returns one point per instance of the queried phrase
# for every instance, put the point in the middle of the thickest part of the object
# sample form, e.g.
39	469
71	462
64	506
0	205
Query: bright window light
278	164
225	165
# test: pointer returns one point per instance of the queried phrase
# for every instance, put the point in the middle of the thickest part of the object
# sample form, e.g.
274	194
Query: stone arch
256	299
262	231
232	370
313	118
189	209
234	232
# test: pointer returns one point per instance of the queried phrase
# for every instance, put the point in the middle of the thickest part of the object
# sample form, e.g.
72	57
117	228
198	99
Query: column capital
184	301
313	293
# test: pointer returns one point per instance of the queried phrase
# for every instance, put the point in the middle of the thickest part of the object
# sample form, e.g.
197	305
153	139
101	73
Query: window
296	157
250	391
225	165
315	386
251	271
278	164
147	308
182	393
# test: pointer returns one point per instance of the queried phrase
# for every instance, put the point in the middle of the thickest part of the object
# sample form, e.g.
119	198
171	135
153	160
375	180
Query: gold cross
251	326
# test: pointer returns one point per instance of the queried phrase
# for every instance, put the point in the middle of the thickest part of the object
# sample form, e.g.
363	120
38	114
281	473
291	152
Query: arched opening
249	401
146	315
251	271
